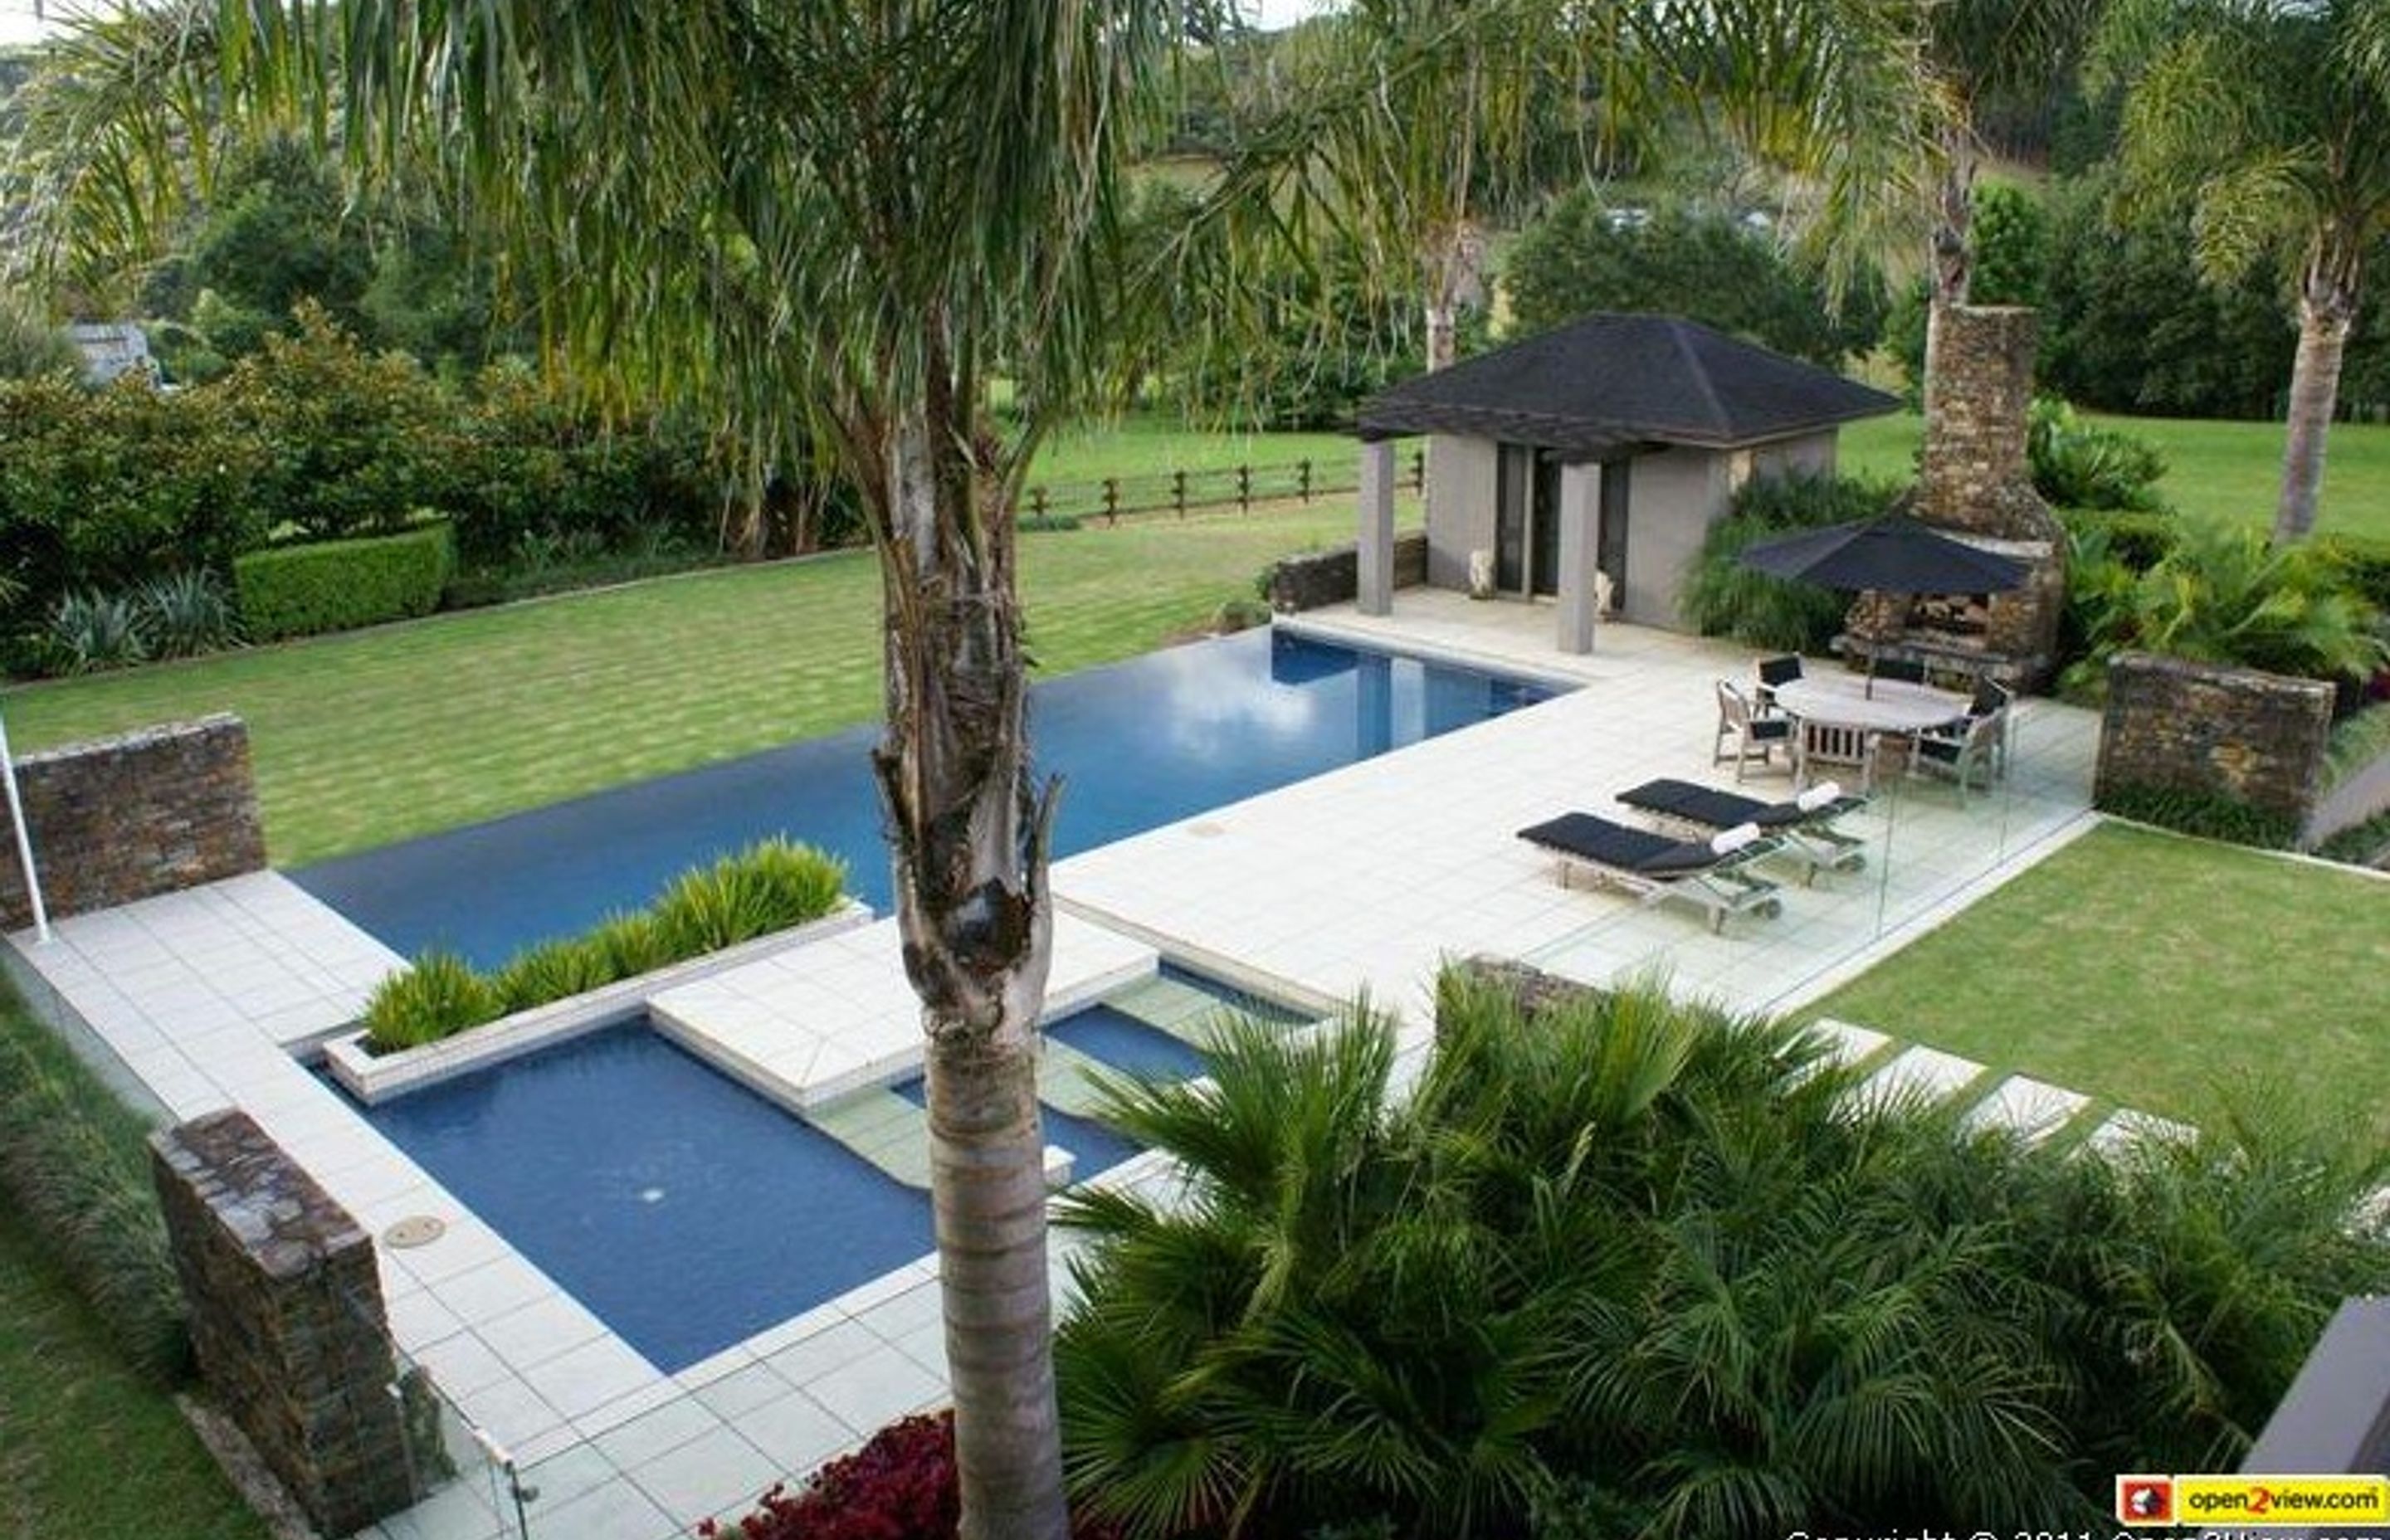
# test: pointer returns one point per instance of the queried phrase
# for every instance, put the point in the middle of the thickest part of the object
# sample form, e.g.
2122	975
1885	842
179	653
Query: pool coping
373	1078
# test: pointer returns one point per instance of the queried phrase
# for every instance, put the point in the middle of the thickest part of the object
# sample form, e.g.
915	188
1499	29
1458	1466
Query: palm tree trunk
1443	332
1953	250
2327	307
970	843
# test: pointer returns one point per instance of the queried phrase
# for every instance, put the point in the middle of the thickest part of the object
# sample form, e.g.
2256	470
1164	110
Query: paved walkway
1359	880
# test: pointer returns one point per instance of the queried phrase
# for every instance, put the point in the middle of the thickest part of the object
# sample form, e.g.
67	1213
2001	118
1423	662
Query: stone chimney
1975	485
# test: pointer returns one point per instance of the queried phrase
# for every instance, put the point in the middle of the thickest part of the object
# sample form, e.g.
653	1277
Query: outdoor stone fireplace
1975	485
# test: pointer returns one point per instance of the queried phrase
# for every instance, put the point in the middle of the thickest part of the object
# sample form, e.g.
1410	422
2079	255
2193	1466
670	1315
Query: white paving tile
1922	1072
2034	1108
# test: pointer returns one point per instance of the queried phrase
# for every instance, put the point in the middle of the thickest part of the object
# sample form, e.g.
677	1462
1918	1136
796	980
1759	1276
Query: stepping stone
1846	1043
1927	1073
2128	1128
2032	1108
880	1126
1062	1079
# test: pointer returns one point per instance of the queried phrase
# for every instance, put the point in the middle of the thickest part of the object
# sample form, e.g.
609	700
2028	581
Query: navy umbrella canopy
1892	555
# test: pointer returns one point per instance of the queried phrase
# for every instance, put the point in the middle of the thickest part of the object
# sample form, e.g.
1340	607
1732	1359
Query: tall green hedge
340	584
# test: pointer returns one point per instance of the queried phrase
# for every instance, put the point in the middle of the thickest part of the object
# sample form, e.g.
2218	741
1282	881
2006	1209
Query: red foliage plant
899	1486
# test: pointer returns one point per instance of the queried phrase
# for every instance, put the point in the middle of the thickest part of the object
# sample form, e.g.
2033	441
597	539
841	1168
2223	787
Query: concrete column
1376	595
1580	505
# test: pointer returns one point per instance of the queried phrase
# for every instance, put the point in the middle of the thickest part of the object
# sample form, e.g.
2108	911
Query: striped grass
375	736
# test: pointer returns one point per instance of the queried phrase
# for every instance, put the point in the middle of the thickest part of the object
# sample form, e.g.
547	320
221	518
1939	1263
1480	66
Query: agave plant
187	614
89	631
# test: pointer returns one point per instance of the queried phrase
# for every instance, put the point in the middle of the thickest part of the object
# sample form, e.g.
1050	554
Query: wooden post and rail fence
1177	491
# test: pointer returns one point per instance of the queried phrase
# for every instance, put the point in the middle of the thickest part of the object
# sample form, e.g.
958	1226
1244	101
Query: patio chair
1963	754
1772	673
1753	736
1805	824
1994	699
1900	670
1828	745
1709	873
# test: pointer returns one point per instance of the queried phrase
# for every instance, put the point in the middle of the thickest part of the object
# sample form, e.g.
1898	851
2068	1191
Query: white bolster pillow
1726	841
1818	796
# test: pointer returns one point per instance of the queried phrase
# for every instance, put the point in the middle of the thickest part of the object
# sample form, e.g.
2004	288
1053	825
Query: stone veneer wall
1318	578
2197	729
149	811
1976	480
286	1316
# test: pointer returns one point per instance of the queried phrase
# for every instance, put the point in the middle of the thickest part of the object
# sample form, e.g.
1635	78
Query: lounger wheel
1771	909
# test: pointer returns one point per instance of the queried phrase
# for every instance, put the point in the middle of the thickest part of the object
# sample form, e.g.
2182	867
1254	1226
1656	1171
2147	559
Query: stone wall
150	812
1975	482
2199	730
287	1317
1317	578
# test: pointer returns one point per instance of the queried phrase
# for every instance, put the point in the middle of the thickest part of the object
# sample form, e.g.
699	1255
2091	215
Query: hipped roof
1613	383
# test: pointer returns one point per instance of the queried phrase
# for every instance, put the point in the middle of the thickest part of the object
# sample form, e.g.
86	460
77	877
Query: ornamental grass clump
772	885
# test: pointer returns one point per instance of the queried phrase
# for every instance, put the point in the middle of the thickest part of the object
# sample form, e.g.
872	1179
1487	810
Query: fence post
1244	489
1419	471
1178	492
1111	499
1037	503
1303	477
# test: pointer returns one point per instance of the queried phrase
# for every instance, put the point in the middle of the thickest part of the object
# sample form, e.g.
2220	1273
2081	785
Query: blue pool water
1140	744
687	1213
684	1210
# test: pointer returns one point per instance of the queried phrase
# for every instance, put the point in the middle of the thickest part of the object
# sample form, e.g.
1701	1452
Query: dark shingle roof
1611	382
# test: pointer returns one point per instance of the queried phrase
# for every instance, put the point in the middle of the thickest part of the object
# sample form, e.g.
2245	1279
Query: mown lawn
2214	469
2155	972
372	737
1150	445
87	1448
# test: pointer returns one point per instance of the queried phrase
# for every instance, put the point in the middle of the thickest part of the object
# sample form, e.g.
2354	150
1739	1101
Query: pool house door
1527	521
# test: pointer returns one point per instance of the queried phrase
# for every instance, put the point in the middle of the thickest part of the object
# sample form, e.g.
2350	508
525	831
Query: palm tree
831	222
2270	119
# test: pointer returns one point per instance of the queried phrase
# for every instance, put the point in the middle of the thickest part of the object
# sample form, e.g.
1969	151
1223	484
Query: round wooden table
1838	722
1895	706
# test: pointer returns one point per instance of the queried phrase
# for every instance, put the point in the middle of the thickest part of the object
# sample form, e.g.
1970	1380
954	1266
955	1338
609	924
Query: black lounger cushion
1608	845
1710	807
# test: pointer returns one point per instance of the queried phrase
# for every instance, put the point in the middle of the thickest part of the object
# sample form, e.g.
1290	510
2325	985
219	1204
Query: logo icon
2145	1499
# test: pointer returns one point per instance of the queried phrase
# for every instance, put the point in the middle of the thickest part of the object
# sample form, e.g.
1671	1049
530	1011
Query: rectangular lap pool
1140	744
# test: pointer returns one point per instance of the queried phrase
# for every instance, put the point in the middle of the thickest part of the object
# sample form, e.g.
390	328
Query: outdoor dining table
1892	705
1854	721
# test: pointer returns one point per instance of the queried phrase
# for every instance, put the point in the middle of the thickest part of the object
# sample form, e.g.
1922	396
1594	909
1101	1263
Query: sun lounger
1803	825
1652	867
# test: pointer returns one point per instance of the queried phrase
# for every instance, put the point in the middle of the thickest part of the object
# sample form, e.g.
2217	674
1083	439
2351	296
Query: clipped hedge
74	1163
772	885
340	584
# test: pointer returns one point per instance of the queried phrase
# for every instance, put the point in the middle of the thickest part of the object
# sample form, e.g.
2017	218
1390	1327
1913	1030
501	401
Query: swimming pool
1140	744
705	1214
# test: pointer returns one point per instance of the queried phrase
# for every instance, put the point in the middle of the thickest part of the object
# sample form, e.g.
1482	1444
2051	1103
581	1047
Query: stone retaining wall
287	1317
1319	578
2199	730
149	811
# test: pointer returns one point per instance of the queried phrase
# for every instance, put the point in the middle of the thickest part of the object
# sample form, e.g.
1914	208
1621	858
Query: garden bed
372	1077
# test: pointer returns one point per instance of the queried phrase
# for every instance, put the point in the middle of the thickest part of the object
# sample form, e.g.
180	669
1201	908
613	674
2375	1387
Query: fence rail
1175	492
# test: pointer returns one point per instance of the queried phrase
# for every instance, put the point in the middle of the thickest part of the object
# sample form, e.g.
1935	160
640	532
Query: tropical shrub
2077	466
1722	597
2010	234
771	885
1686	260
74	1165
1637	1267
339	584
2223	595
31	347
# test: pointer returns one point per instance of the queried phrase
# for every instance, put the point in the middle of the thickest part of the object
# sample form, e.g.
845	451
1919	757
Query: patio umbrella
1892	555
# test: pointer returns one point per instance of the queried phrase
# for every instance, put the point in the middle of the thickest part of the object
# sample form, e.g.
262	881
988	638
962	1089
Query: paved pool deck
1363	879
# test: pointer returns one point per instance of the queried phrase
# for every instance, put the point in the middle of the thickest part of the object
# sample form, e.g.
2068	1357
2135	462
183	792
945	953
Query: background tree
1684	258
2269	120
